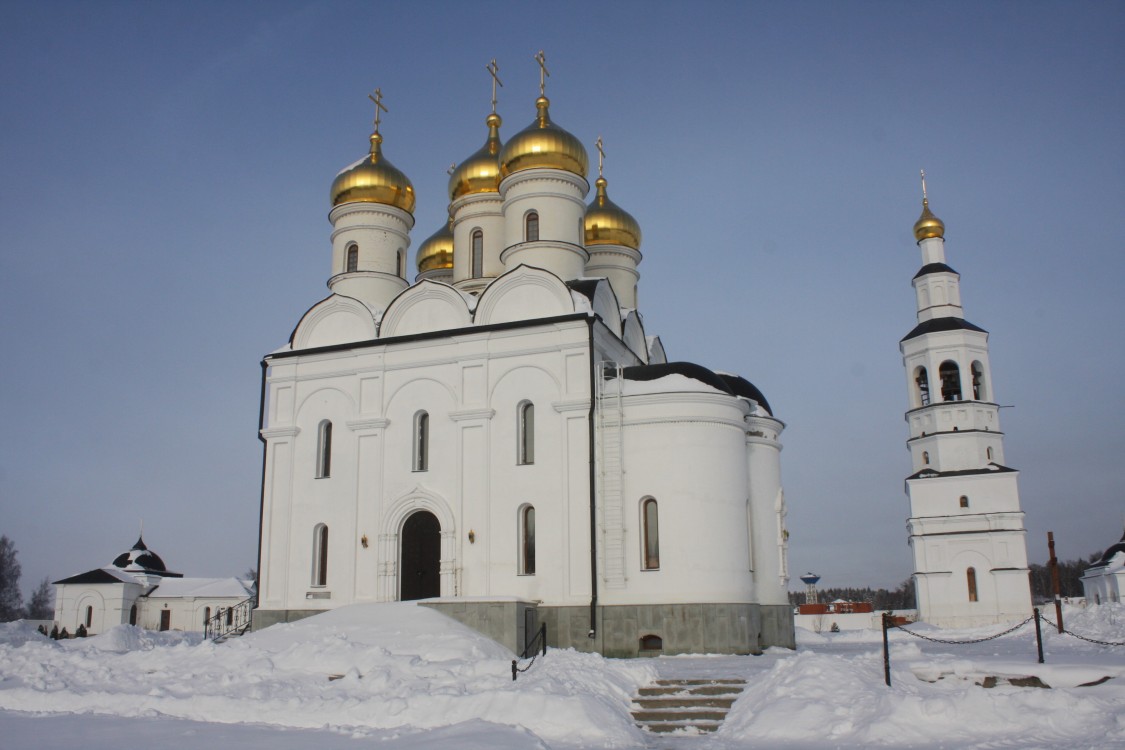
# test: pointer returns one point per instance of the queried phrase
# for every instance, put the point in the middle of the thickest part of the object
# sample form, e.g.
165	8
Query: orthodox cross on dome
493	70
378	99
544	74
601	155
452	167
924	198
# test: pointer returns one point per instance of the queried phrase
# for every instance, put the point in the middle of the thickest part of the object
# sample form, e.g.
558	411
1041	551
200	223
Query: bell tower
965	528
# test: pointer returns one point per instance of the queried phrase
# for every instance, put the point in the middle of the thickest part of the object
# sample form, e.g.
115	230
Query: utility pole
1053	564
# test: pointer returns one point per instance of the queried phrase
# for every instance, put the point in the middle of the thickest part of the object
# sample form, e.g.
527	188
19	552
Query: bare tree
11	600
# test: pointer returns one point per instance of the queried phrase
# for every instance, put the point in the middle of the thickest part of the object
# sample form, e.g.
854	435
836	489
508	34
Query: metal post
544	639
1038	634
1053	564
886	651
513	670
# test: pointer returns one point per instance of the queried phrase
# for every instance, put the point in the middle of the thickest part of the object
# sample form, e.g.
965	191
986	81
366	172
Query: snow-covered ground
400	676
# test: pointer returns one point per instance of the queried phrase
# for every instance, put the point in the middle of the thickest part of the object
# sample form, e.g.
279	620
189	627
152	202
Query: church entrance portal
421	557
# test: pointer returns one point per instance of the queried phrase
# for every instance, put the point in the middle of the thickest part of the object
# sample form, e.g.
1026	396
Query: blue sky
164	175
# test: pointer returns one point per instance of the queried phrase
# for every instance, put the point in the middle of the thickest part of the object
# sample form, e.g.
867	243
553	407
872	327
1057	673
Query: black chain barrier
1037	618
1084	638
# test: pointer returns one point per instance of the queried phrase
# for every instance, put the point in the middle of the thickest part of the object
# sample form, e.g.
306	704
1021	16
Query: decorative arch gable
426	306
606	306
334	320
415	499
656	355
524	293
633	334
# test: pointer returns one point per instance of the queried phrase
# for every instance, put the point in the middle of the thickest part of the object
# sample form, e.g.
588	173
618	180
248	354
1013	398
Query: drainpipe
593	494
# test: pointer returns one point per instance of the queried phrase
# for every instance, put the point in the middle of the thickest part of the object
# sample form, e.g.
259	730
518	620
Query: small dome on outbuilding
140	558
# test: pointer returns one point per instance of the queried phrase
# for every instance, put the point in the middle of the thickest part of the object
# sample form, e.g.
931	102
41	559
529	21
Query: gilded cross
493	70
923	184
544	74
601	155
378	99
452	167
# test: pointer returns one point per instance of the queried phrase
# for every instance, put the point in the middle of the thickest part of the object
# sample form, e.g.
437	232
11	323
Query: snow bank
378	666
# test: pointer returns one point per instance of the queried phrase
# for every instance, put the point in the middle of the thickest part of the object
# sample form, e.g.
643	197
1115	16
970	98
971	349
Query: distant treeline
902	597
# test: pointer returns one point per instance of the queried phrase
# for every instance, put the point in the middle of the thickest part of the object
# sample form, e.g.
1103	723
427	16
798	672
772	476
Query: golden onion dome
928	225
480	173
436	253
373	179
609	224
543	145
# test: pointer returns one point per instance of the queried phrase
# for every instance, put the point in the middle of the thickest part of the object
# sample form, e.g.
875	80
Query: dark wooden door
165	619
421	557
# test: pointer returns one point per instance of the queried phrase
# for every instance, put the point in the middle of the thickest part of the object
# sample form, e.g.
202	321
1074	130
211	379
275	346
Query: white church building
966	528
503	437
1104	581
137	588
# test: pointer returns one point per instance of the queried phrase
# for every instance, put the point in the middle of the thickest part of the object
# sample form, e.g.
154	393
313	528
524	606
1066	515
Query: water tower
810	580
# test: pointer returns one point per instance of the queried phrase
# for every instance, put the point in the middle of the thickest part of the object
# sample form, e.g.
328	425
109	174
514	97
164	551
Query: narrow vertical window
230	615
527	540
531	227
964	501
401	263
133	615
320	555
353	258
923	381
651	526
206	616
988	453
89	616
950	375
979	393
926	457
421	441
971	575
324	450
478	253
525	429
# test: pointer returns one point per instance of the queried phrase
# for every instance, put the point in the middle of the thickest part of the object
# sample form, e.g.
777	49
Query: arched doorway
421	557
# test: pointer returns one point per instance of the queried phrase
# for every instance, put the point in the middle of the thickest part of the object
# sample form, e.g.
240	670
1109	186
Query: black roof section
687	369
743	387
936	325
934	268
1109	554
91	576
586	287
931	474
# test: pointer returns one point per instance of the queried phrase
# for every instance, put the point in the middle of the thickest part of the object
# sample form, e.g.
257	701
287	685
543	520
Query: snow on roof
673	383
200	587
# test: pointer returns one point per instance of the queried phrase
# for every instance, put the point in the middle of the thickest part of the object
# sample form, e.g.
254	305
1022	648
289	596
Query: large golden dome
480	173
928	225
543	145
373	179
609	224
436	252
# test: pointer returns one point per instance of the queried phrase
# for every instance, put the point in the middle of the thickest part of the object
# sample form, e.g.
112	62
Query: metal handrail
532	648
230	621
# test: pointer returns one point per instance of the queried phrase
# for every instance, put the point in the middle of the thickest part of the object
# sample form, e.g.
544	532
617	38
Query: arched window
353	258
421	441
206	616
133	615
320	555
531	227
650	524
527	540
230	615
525	429
964	502
89	616
923	381
324	450
950	375
971	576
478	253
979	393
926	457
652	643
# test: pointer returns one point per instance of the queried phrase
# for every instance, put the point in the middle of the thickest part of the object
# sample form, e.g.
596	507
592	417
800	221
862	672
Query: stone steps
688	706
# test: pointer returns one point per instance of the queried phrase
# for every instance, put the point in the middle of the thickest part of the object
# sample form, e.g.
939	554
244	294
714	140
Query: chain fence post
886	651
1038	634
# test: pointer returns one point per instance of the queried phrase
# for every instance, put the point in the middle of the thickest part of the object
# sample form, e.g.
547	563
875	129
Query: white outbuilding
503	436
1104	581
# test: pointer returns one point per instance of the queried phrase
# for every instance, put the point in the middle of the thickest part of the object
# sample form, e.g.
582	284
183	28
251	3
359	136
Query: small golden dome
373	179
928	225
480	173
609	224
436	252
543	145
